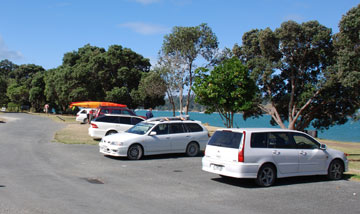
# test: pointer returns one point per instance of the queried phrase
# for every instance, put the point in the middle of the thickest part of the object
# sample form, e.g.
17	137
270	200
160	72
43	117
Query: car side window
193	127
125	120
125	112
116	111
104	111
161	129
258	140
176	128
280	140
106	119
305	142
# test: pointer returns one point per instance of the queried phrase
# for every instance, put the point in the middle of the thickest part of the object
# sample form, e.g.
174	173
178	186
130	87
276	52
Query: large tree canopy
347	45
291	66
92	73
228	89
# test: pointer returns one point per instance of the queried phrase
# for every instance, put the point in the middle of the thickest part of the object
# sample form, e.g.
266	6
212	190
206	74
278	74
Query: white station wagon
157	136
267	154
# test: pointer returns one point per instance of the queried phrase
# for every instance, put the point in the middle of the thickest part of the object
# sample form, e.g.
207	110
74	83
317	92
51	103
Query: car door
311	157
283	152
179	137
159	143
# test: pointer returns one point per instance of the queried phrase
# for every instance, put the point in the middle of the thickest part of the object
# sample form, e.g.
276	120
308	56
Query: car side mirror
152	133
323	147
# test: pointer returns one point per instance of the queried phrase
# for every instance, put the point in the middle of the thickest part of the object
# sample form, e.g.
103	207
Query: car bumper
116	151
94	133
231	169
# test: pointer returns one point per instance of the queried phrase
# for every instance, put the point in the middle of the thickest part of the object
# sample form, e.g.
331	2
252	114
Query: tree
36	94
291	66
184	45
152	89
6	67
169	68
92	73
347	67
227	89
20	83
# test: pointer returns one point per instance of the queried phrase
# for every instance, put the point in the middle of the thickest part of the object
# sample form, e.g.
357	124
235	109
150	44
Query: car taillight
241	152
94	126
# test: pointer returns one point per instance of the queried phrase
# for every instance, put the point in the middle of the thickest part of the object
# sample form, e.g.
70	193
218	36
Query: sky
41	31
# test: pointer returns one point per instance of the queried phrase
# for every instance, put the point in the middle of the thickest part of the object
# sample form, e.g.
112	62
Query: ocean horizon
348	132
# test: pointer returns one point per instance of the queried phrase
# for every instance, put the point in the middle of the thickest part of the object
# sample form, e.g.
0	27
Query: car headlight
115	143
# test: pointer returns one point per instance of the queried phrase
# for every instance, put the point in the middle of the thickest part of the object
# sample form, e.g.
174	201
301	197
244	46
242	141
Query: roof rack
162	119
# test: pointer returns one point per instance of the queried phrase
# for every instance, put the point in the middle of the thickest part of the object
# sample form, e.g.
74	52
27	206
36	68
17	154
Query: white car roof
157	120
258	130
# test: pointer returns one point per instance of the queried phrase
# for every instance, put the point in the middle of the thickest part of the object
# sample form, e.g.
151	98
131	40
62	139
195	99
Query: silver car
157	136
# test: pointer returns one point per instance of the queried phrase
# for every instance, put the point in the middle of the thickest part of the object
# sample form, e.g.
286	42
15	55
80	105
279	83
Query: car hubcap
336	171
134	152
267	176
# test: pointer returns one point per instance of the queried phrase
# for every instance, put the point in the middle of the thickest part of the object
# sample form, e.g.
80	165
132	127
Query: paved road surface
40	176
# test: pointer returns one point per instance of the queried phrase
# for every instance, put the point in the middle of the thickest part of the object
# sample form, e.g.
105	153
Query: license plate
217	167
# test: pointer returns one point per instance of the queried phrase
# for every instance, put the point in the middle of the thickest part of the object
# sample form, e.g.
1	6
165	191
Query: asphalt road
38	176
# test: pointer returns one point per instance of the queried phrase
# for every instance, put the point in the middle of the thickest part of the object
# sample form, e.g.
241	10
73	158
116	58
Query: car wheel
110	132
336	170
85	121
135	152
266	176
192	149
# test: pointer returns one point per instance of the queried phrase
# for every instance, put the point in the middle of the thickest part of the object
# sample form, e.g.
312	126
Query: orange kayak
94	104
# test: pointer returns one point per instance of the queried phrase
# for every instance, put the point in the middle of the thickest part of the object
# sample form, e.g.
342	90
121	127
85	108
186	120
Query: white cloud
144	28
5	53
145	2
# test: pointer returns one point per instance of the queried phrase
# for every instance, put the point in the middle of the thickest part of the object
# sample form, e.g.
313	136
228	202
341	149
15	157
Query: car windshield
140	128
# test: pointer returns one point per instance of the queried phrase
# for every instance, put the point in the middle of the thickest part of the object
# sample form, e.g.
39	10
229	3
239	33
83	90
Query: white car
112	123
81	116
157	136
266	154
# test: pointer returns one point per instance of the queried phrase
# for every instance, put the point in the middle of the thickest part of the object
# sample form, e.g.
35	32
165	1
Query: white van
266	154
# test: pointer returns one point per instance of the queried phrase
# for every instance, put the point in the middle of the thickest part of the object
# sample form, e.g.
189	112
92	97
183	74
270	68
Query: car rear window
226	139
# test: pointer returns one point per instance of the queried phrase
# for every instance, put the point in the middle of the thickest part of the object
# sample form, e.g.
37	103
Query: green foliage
227	89
152	90
291	67
92	73
181	48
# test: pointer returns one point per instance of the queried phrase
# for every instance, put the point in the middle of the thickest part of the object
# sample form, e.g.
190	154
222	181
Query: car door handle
303	153
276	152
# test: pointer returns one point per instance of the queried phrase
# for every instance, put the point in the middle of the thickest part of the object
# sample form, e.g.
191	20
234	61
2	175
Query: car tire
85	121
192	149
336	170
110	132
135	152
266	176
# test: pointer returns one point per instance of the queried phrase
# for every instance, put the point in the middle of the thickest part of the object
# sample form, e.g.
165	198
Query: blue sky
41	31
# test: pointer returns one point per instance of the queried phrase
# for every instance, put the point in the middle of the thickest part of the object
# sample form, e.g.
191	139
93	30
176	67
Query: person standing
149	114
46	108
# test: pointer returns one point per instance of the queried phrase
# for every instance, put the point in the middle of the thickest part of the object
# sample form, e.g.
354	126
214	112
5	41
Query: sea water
349	132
